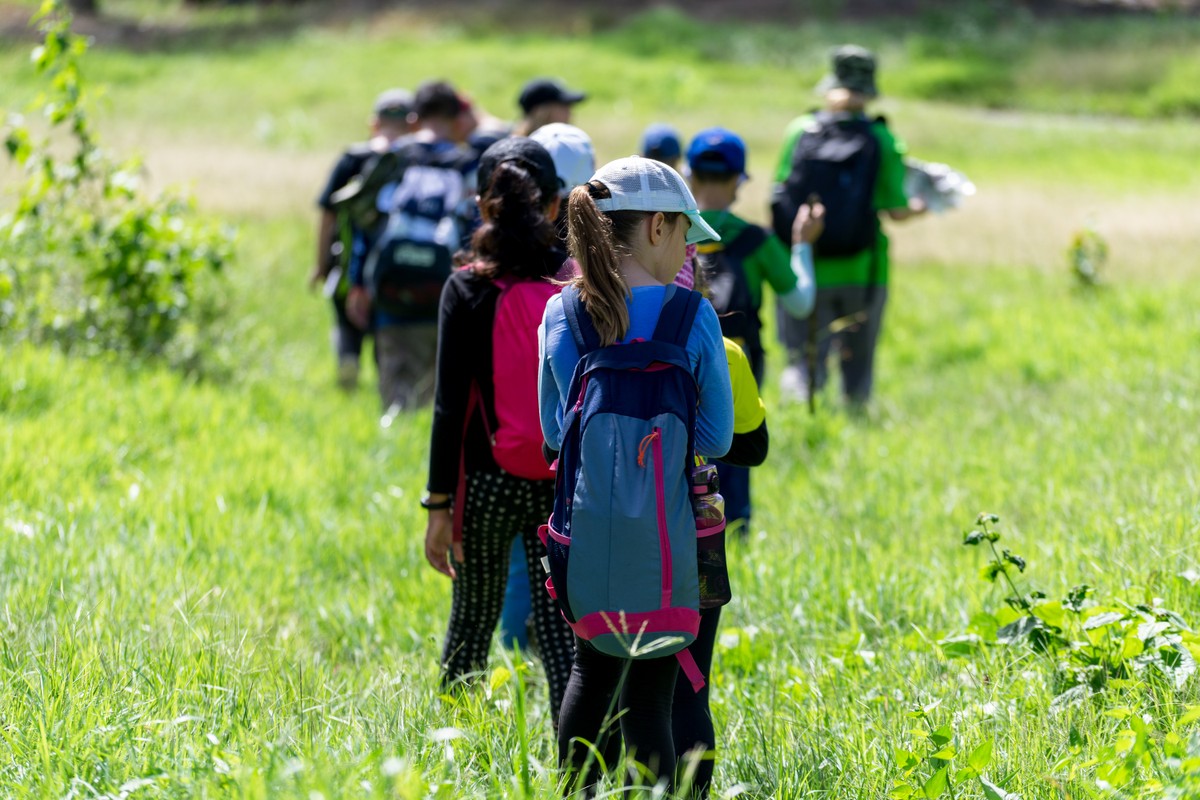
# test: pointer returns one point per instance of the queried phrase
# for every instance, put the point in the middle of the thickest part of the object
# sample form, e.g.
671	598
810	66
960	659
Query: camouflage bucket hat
853	70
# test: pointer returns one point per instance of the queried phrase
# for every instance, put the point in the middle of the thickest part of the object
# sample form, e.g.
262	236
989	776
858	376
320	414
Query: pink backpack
517	440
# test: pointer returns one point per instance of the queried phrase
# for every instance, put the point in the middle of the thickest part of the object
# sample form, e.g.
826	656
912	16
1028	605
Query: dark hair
598	240
516	237
437	99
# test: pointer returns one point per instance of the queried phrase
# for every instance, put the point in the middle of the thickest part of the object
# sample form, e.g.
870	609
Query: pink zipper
664	539
582	391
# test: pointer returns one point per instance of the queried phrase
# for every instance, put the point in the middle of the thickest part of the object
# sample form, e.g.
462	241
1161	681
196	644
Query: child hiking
487	475
691	718
855	165
736	269
335	233
574	161
633	383
417	196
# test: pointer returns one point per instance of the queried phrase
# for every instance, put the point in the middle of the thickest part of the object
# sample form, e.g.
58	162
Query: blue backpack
622	537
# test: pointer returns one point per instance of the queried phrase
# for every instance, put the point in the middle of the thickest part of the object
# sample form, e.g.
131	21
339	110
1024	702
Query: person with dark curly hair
487	479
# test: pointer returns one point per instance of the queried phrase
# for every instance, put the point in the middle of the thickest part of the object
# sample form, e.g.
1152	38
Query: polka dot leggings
499	506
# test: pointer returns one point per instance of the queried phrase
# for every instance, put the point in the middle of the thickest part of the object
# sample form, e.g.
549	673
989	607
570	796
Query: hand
809	223
439	542
358	307
318	276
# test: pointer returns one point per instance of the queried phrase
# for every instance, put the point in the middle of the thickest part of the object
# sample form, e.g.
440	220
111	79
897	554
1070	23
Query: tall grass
218	588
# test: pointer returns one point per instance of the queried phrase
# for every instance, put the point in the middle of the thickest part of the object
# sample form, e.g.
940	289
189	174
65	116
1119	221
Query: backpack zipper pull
644	446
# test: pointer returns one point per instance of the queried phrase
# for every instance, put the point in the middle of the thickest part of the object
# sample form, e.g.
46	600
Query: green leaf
906	759
993	792
1193	714
1077	596
973	538
1132	646
1051	613
936	785
981	756
942	735
1076	739
960	646
499	677
1015	560
1016	631
1148	630
902	791
990	570
1103	620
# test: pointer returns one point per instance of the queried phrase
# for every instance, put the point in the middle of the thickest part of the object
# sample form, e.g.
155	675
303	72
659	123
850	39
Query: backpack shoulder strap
587	338
677	315
746	242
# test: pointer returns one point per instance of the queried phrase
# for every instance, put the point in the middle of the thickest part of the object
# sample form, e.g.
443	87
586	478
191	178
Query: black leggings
644	709
691	719
500	505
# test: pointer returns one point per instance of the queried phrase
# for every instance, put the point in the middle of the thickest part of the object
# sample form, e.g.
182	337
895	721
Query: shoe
793	388
347	373
390	415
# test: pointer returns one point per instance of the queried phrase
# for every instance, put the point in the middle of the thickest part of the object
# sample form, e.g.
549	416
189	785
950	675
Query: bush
89	262
1178	93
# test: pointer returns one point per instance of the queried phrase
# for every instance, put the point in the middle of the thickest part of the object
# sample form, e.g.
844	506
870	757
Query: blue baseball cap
661	142
717	151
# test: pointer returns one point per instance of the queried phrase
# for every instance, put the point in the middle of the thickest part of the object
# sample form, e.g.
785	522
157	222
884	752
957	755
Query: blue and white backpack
622	538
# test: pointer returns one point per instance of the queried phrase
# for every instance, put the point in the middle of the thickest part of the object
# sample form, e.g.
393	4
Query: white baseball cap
571	149
643	184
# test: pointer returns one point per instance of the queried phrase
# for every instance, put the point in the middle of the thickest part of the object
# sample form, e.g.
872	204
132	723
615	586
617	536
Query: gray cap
393	104
853	69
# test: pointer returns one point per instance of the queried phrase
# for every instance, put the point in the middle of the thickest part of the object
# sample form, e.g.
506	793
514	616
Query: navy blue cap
717	151
661	142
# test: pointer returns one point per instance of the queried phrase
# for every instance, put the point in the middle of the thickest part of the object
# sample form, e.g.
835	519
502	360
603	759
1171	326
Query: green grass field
217	588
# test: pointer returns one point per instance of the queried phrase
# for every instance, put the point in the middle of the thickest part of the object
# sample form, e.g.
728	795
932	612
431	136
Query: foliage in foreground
91	263
192	601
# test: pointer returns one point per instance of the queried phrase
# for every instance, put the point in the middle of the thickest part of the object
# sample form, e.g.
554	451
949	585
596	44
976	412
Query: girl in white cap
629	227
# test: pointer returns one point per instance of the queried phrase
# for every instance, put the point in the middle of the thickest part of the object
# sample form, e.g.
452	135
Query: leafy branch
90	262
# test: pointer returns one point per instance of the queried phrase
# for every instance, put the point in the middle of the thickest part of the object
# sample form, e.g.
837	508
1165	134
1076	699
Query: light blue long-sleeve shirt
799	302
705	348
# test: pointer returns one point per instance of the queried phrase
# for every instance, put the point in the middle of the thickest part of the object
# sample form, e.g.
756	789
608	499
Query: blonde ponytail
594	246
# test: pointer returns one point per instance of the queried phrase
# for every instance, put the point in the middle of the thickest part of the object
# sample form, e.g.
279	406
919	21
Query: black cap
529	155
393	104
540	91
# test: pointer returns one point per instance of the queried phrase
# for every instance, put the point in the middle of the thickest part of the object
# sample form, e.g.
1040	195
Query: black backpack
722	266
419	194
836	159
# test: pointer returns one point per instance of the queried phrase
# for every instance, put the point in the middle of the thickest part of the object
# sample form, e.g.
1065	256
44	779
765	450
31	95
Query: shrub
89	261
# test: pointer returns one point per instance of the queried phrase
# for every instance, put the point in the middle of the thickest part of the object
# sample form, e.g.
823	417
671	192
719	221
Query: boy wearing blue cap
737	267
661	143
860	164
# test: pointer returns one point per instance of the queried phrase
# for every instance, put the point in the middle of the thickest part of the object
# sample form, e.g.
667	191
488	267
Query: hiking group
591	343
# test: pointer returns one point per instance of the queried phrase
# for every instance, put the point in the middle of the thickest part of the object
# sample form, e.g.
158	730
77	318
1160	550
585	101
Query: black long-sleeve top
465	317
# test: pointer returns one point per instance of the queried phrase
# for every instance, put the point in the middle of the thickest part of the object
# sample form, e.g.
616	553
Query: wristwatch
440	505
